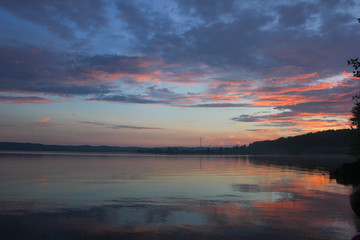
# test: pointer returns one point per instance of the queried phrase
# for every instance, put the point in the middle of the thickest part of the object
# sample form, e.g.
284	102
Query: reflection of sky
230	195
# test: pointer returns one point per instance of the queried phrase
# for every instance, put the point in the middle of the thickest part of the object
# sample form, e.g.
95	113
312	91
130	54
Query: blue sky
165	73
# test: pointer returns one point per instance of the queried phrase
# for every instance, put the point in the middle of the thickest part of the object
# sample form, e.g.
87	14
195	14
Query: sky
167	72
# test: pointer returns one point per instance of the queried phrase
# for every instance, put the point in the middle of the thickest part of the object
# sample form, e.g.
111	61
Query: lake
133	196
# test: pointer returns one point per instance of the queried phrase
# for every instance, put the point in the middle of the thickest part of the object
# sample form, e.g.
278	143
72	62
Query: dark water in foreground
79	196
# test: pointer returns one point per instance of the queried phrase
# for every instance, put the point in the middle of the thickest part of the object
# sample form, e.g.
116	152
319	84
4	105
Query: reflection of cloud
42	181
90	182
246	187
230	220
259	205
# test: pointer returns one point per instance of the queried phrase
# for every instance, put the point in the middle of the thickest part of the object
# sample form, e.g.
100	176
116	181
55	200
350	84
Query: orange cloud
264	130
103	76
215	98
43	122
296	78
348	75
44	119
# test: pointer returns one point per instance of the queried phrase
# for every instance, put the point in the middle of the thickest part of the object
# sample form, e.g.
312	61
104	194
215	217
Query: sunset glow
165	73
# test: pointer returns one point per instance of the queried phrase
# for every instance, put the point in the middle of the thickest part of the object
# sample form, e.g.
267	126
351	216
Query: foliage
356	65
355	127
325	142
355	119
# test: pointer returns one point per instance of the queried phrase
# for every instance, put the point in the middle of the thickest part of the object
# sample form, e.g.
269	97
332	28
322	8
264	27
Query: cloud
263	130
294	120
228	54
162	93
115	63
294	16
44	122
117	126
241	35
125	99
223	34
27	99
45	119
63	18
248	118
216	105
325	107
36	70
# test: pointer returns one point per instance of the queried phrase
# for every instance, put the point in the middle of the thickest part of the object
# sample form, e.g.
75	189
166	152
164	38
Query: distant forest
325	142
330	141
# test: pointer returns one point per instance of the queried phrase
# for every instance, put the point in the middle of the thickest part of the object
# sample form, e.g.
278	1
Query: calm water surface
130	196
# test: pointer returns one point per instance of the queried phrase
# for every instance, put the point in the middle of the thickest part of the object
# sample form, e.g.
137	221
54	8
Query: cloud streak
119	126
27	99
44	122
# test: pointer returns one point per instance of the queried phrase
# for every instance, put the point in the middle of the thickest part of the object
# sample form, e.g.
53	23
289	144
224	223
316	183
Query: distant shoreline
325	142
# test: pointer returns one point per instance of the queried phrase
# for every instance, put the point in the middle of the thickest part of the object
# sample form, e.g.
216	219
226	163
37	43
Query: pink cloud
45	119
264	130
43	122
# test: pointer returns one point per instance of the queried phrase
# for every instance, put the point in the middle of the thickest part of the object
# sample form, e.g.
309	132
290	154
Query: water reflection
355	205
349	174
59	196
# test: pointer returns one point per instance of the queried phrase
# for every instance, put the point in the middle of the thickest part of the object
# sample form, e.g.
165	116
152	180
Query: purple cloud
63	18
27	99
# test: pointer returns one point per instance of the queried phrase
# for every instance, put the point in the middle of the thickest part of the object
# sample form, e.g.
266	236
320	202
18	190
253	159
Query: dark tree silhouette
355	119
355	127
356	65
